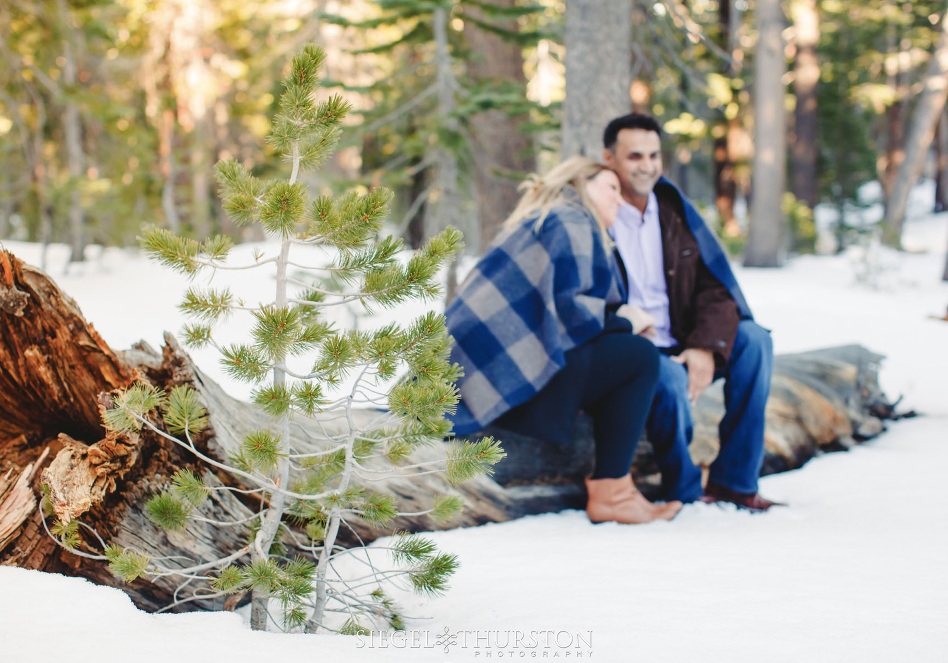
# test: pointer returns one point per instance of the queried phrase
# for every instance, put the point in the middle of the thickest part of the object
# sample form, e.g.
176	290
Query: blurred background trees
112	112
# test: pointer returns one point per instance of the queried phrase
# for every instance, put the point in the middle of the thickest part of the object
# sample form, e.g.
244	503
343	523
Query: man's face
637	160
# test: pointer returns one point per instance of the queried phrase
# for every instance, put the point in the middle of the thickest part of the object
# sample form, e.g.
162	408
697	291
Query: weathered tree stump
104	480
56	373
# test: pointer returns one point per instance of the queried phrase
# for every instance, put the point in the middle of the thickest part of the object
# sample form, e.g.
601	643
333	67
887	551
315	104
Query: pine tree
308	495
417	135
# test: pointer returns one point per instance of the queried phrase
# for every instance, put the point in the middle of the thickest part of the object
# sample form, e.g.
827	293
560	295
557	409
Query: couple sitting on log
606	292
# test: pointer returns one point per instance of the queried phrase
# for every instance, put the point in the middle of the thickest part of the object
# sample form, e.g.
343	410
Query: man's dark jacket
705	303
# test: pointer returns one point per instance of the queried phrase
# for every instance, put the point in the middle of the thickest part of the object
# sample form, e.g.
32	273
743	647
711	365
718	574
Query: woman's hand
643	324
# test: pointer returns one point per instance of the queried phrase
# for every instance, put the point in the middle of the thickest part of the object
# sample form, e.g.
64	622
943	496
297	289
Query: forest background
113	112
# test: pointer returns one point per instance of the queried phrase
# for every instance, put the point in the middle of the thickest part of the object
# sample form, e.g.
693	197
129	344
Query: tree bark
765	237
723	151
898	80
158	84
502	151
928	108
598	72
805	150
189	50
944	276
56	372
824	400
941	164
446	208
72	130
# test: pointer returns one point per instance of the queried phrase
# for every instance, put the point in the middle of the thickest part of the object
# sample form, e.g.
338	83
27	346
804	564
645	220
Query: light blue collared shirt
638	238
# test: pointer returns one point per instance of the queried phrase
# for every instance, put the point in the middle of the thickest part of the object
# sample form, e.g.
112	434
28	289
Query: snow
854	569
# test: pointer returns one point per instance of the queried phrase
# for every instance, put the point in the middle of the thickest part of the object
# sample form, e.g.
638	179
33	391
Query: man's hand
700	365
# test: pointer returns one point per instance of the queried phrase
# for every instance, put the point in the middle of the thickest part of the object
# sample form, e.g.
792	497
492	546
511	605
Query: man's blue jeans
746	388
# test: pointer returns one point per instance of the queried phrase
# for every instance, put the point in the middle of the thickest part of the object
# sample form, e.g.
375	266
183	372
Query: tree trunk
725	182
944	275
928	108
72	130
447	208
157	81
823	400
941	164
188	48
598	72
503	153
6	208
805	150
765	241
55	372
895	113
415	229
39	176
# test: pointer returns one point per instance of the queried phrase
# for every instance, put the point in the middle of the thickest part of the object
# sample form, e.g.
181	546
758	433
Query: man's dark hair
630	121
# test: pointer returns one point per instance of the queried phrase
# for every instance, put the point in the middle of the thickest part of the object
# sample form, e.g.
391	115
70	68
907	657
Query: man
680	283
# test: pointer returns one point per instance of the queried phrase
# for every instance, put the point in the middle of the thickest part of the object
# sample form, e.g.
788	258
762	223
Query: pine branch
469	459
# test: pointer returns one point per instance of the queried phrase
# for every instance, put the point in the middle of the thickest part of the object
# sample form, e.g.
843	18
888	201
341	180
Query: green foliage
45	503
802	227
244	363
130	407
315	530
261	450
129	566
418	117
196	336
388	609
264	574
352	221
183	412
412	549
315	488
276	331
241	192
431	576
210	306
352	627
307	397
423	401
67	533
189	488
378	508
282	206
446	508
275	399
168	511
469	459
231	579
178	253
217	248
734	245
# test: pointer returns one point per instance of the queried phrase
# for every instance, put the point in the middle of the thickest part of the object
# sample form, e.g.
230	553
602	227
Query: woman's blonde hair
542	194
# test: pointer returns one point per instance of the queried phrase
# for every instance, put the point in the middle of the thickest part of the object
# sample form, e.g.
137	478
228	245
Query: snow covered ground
854	570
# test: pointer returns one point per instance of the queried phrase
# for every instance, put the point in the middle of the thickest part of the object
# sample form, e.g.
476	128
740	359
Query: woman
541	333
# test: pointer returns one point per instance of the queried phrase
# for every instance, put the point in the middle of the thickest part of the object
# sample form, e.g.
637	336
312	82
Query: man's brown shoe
747	501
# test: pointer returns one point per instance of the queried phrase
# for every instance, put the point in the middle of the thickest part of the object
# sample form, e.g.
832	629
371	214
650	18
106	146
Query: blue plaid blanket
534	295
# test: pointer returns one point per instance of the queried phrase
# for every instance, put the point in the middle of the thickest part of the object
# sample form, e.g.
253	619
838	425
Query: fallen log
56	374
820	401
104	480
